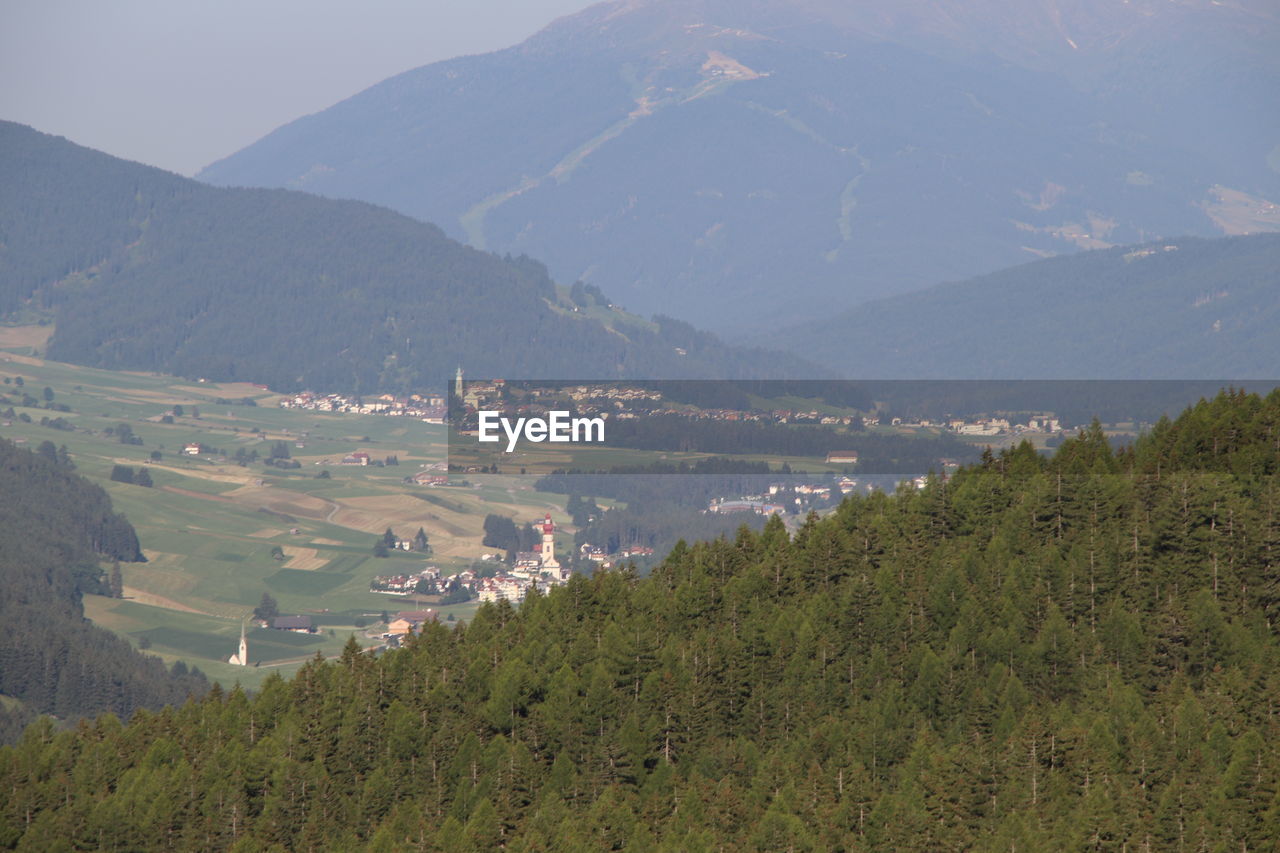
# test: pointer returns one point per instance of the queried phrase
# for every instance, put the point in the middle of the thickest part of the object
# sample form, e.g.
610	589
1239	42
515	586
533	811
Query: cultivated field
208	526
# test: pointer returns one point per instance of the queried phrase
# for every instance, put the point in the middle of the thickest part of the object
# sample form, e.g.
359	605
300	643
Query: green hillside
1038	654
142	269
1175	309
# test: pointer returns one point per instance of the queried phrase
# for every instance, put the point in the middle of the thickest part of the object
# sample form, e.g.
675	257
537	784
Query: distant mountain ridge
745	163
1177	309
143	269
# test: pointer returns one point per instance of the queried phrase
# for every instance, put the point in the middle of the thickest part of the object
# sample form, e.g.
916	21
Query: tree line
56	529
1037	654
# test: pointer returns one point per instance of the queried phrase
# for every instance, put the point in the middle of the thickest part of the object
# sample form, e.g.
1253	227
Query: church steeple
241	659
547	551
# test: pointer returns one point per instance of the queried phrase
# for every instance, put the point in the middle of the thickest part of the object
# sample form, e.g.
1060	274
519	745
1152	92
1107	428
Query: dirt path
150	598
204	496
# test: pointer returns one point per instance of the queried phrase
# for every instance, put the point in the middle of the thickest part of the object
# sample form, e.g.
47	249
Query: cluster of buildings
538	568
532	569
758	507
624	402
598	555
985	426
780	497
424	582
1002	426
813	490
427	407
775	501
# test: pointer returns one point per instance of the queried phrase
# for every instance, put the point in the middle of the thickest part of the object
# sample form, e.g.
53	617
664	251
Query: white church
241	658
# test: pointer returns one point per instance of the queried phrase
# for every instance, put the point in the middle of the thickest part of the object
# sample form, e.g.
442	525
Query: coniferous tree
116	582
1003	663
267	608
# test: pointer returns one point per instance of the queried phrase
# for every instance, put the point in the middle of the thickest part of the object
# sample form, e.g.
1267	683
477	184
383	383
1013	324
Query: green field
208	526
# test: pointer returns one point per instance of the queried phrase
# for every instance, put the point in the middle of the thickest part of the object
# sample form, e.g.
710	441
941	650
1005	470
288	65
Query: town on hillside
535	569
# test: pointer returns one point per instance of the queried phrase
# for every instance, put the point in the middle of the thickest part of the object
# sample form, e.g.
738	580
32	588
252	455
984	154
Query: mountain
143	269
742	164
55	528
1181	309
1038	654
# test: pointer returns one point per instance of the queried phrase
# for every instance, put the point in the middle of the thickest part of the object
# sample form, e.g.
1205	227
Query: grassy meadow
208	526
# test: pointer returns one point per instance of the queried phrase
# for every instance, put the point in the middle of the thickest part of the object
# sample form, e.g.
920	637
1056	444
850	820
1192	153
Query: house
842	457
192	449
502	587
528	560
400	627
409	620
417	616
357	458
299	624
425	478
592	552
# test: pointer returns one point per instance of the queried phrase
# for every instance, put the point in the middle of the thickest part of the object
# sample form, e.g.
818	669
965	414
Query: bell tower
548	550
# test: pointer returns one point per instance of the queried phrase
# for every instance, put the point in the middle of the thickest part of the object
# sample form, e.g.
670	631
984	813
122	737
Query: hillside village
537	569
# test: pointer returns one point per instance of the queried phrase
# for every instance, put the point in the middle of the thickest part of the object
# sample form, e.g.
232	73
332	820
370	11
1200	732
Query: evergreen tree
116	582
989	662
267	608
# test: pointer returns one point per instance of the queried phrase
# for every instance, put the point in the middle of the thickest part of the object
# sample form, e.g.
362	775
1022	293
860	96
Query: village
626	402
429	408
537	569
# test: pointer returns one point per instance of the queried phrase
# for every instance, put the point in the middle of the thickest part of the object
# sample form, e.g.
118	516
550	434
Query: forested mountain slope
740	164
1039	654
143	269
1175	309
55	528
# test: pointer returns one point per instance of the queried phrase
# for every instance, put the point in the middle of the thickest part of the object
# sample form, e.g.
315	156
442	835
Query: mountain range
745	164
143	269
1189	308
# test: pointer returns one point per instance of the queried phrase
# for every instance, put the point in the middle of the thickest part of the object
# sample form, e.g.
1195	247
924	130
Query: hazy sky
181	83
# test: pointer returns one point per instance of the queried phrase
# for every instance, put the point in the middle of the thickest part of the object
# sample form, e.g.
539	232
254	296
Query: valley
208	525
